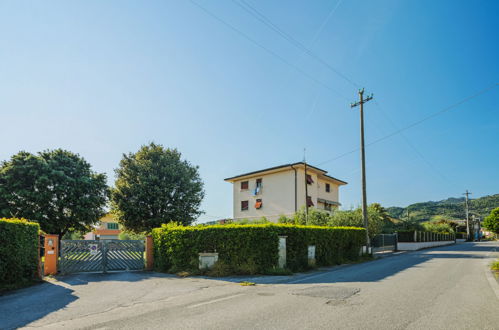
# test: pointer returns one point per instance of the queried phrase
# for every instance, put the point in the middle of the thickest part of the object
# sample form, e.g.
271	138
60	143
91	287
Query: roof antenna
304	155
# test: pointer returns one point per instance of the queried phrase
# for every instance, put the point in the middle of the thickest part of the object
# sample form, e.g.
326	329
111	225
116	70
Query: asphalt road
441	288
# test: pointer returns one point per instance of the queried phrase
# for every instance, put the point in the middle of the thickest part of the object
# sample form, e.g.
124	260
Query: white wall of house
278	193
317	189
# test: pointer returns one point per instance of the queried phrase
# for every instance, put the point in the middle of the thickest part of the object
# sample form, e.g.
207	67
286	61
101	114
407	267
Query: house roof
281	167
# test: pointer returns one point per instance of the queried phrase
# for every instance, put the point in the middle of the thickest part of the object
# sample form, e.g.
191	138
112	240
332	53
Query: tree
126	235
376	217
438	227
315	217
56	188
153	187
491	222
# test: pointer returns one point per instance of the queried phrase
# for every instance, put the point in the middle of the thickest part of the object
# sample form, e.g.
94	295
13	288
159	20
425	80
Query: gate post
51	254
39	269
104	255
149	253
282	251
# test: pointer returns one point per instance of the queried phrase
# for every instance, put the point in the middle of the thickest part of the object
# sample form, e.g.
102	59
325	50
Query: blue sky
102	78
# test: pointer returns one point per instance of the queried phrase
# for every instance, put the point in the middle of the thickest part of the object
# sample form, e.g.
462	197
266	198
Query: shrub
491	222
251	249
440	228
176	248
18	252
377	219
219	269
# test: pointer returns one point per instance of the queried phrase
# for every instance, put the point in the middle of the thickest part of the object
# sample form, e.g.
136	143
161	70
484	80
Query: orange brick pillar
51	254
149	253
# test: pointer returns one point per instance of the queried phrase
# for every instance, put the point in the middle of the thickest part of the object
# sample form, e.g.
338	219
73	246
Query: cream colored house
282	190
107	228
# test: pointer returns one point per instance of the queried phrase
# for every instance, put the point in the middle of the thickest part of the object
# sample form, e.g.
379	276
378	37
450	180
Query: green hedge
18	252
254	247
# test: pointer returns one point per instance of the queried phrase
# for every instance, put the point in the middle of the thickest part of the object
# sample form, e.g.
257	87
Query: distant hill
450	208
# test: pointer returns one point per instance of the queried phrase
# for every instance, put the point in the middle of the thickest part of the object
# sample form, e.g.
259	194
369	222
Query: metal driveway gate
384	242
101	255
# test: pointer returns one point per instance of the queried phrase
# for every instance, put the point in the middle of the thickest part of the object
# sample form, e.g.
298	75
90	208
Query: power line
262	18
323	25
448	108
282	59
412	146
265	20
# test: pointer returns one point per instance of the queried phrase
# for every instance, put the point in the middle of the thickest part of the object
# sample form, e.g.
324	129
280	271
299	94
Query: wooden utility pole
467	193
306	183
363	159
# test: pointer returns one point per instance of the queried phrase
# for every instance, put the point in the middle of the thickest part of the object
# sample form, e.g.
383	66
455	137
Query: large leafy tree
376	218
491	222
155	186
56	188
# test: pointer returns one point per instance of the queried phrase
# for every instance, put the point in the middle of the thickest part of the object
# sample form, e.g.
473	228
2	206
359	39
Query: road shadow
24	306
371	271
86	278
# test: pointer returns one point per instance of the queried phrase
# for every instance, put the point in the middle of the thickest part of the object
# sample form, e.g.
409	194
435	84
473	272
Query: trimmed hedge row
254	246
18	252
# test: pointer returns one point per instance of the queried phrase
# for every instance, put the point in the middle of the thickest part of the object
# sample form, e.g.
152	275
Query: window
309	201
244	185
328	187
258	187
244	205
327	207
309	179
258	204
112	225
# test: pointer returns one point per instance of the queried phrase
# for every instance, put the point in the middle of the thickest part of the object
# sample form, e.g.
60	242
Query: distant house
282	190
217	222
107	228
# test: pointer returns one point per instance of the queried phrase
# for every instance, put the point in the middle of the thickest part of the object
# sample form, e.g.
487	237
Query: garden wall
421	245
423	236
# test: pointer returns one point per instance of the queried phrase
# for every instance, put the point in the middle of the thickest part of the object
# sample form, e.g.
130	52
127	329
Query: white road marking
215	300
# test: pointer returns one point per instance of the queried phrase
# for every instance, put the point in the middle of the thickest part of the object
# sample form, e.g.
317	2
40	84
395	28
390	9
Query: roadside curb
299	277
494	284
